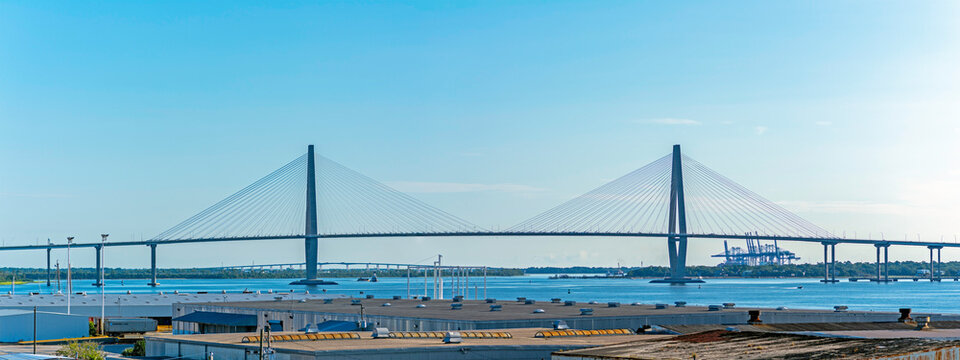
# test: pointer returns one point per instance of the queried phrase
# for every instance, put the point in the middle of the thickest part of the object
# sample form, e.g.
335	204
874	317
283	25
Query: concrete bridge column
878	246
153	265
939	264
48	265
99	249
932	270
886	262
826	264
833	261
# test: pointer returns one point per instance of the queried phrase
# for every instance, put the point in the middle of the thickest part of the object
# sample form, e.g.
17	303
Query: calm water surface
921	296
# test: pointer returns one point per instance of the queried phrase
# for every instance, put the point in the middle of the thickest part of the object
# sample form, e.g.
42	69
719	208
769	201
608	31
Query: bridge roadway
827	242
822	240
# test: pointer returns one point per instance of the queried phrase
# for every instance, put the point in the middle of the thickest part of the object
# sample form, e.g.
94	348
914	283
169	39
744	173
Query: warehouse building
17	325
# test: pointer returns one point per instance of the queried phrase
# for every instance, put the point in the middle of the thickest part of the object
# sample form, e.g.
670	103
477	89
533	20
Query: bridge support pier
886	263
878	262
153	265
932	272
677	244
883	276
833	262
829	262
48	265
99	250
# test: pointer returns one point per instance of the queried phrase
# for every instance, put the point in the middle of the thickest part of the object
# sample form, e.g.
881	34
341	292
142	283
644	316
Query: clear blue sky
128	117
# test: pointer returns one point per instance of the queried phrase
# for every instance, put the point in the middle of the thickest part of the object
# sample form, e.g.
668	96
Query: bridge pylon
677	244
311	235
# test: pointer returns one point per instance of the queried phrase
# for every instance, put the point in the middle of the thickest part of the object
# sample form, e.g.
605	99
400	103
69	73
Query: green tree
81	350
139	349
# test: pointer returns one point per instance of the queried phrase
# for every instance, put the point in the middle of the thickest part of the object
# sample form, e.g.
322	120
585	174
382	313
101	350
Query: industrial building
155	306
447	315
501	344
18	325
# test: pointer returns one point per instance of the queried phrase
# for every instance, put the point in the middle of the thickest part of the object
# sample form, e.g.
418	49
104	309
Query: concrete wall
19	327
199	351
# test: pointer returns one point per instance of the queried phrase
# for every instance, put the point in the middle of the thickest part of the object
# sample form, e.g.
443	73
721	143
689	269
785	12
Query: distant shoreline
845	270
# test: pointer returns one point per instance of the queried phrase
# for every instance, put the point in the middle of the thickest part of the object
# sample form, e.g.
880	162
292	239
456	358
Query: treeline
6	274
844	269
570	270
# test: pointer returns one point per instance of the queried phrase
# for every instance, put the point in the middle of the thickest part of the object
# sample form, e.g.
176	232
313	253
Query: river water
793	293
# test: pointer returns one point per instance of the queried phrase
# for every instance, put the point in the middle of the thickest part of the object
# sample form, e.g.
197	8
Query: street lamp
69	278
103	266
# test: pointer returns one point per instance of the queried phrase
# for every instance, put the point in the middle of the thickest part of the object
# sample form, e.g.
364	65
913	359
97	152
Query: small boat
362	279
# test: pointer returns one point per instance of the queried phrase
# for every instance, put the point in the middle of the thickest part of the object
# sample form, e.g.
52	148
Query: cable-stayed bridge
674	197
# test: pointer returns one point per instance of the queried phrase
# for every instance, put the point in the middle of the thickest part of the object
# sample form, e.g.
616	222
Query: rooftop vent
905	315
452	337
381	333
586	311
496	307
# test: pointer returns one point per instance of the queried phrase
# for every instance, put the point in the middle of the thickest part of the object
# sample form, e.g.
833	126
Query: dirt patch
704	337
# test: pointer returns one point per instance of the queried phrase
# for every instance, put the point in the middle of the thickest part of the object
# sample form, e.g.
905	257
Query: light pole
103	266
69	278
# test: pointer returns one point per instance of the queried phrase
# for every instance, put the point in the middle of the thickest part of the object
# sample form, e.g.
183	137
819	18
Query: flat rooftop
837	327
720	344
521	337
479	310
146	305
